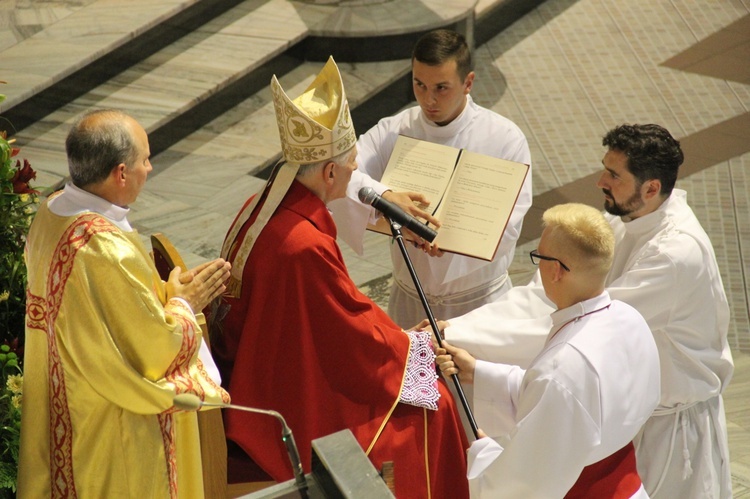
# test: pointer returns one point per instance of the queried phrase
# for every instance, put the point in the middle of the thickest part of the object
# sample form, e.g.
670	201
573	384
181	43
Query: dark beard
633	203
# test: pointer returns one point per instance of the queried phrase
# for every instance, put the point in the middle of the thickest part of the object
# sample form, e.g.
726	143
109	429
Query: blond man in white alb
565	425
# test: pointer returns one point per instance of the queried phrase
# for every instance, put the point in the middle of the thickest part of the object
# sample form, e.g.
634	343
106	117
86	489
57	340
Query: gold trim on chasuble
166	426
225	398
390	413
178	374
35	316
76	236
427	454
61	429
277	187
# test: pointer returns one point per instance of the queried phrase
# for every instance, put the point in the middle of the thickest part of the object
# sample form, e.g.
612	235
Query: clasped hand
200	285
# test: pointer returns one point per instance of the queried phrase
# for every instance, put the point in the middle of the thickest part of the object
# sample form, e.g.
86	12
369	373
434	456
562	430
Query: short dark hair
99	141
441	45
651	150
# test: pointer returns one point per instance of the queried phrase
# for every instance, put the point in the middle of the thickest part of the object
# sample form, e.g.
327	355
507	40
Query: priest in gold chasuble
108	344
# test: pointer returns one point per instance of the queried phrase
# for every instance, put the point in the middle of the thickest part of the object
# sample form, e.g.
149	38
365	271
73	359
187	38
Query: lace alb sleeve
420	383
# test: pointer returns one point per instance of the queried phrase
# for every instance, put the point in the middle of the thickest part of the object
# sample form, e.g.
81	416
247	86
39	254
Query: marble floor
566	72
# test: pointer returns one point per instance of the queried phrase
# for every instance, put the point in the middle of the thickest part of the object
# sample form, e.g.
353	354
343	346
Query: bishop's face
623	195
440	90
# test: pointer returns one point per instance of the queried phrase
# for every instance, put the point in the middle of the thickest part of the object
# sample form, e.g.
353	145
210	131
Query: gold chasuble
105	355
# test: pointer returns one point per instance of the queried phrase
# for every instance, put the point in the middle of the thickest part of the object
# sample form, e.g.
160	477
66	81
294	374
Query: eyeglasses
535	257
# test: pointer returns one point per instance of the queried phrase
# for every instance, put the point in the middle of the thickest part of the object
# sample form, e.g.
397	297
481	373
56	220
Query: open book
472	194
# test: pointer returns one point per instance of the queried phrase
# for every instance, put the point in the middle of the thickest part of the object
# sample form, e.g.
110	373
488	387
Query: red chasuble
303	340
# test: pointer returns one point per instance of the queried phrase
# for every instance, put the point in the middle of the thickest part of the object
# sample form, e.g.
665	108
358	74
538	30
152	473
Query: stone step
175	80
200	89
200	183
192	79
60	50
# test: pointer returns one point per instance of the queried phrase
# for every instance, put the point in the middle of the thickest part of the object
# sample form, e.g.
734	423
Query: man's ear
328	171
119	174
559	272
468	82
651	188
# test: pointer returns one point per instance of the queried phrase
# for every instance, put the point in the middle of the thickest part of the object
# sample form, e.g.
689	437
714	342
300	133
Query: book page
478	204
420	166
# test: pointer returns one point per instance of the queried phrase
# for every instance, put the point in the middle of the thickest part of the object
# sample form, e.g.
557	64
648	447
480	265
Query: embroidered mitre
316	125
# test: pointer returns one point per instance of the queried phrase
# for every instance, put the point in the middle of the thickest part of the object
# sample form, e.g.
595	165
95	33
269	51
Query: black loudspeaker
340	470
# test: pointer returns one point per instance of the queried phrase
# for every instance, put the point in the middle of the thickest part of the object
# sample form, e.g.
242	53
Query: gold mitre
316	125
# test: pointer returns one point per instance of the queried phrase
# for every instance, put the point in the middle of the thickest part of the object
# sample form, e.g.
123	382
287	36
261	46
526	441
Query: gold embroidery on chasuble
179	375
166	425
179	370
61	431
35	312
225	398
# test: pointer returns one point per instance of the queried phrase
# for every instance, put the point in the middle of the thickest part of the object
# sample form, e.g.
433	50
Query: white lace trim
420	382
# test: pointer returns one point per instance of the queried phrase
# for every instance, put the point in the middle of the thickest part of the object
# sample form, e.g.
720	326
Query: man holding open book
442	79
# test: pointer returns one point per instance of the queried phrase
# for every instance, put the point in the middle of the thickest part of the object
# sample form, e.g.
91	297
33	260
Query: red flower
22	177
13	150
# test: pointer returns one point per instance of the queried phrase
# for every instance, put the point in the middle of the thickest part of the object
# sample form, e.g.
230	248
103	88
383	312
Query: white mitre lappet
316	126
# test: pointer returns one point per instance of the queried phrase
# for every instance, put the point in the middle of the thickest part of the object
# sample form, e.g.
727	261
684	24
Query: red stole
614	477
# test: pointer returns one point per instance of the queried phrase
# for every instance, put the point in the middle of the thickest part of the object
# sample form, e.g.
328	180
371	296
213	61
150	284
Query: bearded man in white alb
665	267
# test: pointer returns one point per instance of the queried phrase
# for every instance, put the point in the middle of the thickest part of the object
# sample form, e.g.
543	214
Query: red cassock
304	341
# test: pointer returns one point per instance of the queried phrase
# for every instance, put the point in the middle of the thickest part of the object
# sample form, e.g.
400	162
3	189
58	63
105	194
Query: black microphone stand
396	230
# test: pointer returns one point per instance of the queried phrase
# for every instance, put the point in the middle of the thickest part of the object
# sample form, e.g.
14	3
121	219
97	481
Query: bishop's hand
410	202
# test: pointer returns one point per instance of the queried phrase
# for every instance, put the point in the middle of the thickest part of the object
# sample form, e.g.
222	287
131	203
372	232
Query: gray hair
339	159
99	141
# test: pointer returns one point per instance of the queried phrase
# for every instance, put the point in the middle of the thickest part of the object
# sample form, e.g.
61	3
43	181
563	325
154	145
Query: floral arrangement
10	419
18	203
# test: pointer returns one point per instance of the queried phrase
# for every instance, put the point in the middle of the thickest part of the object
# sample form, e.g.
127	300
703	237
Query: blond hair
582	235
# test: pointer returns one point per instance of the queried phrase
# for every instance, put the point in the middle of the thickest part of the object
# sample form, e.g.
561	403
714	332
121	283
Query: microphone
190	402
368	196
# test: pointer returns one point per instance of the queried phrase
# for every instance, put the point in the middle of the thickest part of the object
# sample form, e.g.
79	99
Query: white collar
645	223
560	318
454	127
74	201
